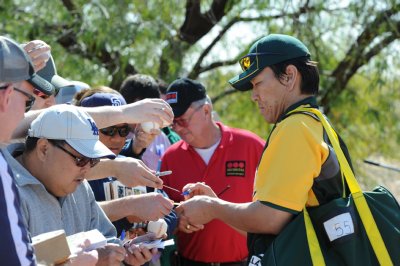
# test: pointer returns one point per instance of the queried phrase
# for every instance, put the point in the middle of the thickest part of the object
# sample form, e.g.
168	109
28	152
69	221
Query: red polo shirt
233	163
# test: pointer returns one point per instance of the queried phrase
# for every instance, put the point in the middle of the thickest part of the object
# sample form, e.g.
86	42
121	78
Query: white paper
339	226
97	239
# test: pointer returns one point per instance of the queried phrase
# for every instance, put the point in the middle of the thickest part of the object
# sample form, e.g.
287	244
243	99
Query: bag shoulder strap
326	139
367	219
315	250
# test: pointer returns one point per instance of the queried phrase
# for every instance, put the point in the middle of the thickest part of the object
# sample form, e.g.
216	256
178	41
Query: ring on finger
188	226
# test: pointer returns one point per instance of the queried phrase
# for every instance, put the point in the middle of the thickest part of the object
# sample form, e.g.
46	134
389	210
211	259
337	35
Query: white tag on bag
339	226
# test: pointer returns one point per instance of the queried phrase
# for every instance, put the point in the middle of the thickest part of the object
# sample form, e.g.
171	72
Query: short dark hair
162	86
308	70
138	87
31	142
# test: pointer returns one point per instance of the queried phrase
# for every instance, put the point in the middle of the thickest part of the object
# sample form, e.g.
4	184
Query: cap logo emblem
246	62
172	97
115	102
95	130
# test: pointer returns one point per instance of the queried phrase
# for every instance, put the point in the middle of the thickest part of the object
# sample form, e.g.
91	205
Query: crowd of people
234	191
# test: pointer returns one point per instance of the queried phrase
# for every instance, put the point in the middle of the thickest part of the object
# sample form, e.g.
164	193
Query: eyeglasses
80	161
246	61
40	94
185	122
28	103
111	131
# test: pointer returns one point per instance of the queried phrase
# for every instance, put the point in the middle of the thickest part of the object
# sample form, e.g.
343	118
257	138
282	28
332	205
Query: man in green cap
298	167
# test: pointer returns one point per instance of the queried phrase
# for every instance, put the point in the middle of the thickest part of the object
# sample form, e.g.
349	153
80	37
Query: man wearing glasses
15	98
17	82
224	158
62	145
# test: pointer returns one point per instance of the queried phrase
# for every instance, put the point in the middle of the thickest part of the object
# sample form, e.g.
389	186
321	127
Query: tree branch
218	64
93	51
360	52
196	24
70	6
197	69
223	94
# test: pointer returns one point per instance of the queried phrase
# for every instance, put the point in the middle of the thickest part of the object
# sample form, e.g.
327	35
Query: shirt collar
311	101
21	175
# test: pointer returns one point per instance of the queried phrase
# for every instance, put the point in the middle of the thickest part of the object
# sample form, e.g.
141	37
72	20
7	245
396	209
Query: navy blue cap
103	99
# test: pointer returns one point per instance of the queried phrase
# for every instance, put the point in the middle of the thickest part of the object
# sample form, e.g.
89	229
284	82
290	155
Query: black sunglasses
246	61
111	131
80	161
28	103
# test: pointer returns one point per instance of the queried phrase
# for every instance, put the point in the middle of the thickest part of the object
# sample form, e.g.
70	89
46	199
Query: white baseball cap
75	126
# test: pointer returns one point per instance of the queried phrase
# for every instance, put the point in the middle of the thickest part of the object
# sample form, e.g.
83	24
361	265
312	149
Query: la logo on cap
95	130
172	97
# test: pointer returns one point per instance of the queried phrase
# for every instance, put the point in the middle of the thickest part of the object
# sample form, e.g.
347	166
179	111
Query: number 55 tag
339	226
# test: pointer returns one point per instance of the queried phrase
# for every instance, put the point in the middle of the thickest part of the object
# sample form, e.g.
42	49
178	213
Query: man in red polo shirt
223	158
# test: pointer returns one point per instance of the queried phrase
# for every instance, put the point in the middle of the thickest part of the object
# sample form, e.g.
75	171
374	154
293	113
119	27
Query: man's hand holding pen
191	204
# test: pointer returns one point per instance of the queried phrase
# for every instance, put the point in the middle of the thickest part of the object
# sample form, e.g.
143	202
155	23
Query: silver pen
163	173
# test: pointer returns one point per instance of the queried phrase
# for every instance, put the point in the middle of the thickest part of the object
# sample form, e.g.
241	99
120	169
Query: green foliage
367	117
238	111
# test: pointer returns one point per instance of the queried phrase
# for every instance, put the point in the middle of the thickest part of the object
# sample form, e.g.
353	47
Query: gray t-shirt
43	212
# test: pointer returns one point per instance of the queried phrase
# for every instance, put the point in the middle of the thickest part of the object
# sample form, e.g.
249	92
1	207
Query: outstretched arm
253	217
129	171
155	110
147	207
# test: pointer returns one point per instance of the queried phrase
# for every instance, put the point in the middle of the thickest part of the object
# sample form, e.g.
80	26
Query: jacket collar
311	101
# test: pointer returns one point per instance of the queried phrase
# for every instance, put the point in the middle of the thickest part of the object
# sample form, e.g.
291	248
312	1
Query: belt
187	262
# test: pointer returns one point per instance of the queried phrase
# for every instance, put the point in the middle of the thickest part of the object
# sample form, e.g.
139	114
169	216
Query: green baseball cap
267	51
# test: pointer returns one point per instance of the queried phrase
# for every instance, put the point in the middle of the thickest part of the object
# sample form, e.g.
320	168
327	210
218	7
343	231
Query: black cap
41	84
182	92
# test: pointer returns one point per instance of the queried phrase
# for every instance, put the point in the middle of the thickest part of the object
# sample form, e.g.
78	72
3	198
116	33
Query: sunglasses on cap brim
247	60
